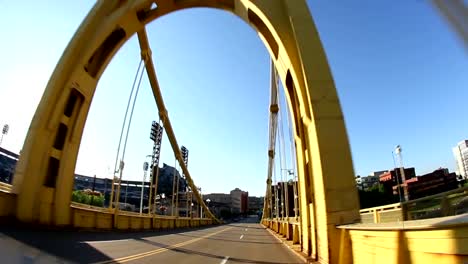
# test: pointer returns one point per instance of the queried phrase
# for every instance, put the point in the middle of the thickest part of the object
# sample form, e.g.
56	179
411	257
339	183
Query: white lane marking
241	237
105	241
246	229
224	260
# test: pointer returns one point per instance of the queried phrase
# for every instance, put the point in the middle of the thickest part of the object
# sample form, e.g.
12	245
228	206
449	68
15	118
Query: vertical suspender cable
293	162
121	134
284	190
275	187
282	165
177	193
173	187
126	138
292	148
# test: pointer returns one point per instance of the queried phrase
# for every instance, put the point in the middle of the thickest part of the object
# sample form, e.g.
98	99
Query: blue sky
401	75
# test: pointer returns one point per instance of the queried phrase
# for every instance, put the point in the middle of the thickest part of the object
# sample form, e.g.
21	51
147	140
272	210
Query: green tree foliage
376	196
226	213
88	197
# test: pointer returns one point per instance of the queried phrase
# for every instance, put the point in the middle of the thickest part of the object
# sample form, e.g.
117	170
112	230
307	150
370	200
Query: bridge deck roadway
231	243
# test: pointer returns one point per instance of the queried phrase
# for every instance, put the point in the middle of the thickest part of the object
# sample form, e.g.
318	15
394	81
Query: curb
283	241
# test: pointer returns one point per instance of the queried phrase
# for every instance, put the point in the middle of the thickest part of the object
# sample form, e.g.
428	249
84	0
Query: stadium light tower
5	129
156	136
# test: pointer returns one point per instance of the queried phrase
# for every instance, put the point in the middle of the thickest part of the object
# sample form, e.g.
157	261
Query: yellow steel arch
328	197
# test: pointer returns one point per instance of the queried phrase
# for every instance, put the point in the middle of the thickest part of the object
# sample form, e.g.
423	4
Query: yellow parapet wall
92	217
437	240
288	228
104	219
7	203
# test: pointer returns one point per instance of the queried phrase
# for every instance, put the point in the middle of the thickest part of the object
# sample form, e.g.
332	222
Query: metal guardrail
381	208
125	213
289	220
91	207
382	214
449	203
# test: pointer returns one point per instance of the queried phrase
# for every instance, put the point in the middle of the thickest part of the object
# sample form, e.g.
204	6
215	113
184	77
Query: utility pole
398	151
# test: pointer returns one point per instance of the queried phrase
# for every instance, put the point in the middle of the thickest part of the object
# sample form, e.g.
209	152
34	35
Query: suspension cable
126	138
121	133
282	156
275	187
173	186
177	193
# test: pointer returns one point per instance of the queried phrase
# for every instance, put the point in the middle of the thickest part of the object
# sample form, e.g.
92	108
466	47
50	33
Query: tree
376	196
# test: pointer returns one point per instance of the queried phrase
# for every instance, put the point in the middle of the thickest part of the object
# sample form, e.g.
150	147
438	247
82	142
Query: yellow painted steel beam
151	71
456	14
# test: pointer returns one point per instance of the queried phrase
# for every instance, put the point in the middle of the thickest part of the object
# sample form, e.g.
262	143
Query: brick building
435	182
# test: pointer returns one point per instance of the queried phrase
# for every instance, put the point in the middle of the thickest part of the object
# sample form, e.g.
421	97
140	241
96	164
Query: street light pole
208	202
396	175
402	172
145	170
199	206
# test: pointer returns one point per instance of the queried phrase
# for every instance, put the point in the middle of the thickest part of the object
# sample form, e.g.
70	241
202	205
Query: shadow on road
244	226
28	245
31	245
221	257
236	241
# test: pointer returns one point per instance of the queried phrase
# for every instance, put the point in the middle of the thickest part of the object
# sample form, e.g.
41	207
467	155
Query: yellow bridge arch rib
327	193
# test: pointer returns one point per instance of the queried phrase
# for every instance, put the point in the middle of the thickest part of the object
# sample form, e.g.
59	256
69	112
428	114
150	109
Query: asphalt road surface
223	244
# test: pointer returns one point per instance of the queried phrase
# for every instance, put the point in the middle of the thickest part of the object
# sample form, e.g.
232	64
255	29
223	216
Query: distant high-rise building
461	157
239	200
255	204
